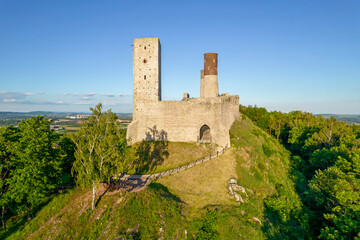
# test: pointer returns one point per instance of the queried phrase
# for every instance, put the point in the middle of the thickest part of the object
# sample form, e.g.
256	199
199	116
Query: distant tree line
325	156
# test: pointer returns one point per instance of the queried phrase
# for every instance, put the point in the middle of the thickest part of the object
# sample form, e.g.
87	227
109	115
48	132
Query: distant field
349	118
72	128
69	121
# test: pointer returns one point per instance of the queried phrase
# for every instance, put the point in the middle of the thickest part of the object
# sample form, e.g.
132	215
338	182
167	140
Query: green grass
261	165
155	157
195	200
24	227
68	216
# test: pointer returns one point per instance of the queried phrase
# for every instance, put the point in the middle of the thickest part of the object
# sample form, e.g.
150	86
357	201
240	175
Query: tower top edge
150	38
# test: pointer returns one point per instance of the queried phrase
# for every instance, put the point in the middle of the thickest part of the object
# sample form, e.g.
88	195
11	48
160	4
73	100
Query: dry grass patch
71	128
155	157
204	184
183	153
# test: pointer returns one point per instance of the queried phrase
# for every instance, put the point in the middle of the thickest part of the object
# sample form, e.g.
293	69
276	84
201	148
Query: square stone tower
204	119
146	74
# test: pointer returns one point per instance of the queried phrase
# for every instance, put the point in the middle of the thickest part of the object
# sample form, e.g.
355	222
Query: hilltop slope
260	164
195	203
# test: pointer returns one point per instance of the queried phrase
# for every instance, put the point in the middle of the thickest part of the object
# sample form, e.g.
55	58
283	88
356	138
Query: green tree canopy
100	150
36	163
8	136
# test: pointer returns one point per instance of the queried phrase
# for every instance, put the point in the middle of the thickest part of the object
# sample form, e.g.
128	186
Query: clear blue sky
283	55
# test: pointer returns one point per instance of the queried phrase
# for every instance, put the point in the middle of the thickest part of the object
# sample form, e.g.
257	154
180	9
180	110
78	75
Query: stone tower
210	86
202	84
204	119
146	74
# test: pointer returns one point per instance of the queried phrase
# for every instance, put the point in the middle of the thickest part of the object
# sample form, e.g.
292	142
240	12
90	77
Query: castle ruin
204	119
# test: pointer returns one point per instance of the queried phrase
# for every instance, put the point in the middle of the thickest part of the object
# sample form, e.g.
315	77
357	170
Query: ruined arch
205	135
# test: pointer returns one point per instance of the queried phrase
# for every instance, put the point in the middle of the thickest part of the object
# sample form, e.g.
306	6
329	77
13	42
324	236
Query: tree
326	165
258	115
67	149
336	194
100	150
277	122
208	227
331	131
8	137
37	170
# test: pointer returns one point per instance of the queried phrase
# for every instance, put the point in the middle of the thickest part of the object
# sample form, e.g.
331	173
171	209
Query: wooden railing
174	170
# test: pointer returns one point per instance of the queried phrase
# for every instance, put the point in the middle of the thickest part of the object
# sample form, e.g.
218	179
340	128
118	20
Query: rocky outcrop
236	191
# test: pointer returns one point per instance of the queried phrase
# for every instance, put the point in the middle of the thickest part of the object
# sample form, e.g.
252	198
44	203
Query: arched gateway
205	135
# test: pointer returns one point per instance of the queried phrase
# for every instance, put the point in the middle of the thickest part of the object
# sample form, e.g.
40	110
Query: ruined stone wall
181	120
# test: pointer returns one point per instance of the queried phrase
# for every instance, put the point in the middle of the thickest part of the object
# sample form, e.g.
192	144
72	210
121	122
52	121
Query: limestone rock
255	219
239	189
232	181
234	188
238	198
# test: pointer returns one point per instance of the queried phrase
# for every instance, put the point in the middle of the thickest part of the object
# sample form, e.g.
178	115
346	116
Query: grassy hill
193	204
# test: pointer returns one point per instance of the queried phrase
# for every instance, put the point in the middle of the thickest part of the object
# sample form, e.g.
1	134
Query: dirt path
137	183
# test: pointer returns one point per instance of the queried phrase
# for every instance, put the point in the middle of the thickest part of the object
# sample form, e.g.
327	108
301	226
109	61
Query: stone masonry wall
181	120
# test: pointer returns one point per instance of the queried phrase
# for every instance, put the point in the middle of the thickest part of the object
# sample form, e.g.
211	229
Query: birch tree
100	150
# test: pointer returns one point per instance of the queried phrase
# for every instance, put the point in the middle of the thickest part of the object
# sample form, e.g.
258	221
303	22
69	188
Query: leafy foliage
325	165
8	137
31	165
36	163
309	191
208	227
100	150
67	147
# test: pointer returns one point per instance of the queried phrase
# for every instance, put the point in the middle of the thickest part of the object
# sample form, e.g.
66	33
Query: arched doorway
205	135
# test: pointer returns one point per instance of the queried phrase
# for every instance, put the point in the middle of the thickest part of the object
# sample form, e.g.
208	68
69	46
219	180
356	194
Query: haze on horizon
282	55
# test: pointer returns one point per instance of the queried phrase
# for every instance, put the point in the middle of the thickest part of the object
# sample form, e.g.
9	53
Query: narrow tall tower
202	83
146	73
211	87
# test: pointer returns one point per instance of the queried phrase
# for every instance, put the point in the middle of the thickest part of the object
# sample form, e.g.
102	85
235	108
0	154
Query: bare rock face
238	198
232	181
236	191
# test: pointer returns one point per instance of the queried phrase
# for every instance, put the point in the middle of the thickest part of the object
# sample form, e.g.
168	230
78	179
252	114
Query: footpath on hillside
136	182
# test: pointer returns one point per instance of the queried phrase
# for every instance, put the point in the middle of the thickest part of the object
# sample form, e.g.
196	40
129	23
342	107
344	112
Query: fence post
210	157
217	153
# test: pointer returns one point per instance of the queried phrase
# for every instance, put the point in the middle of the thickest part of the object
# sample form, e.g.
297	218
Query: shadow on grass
276	227
150	155
100	196
21	220
164	191
13	227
